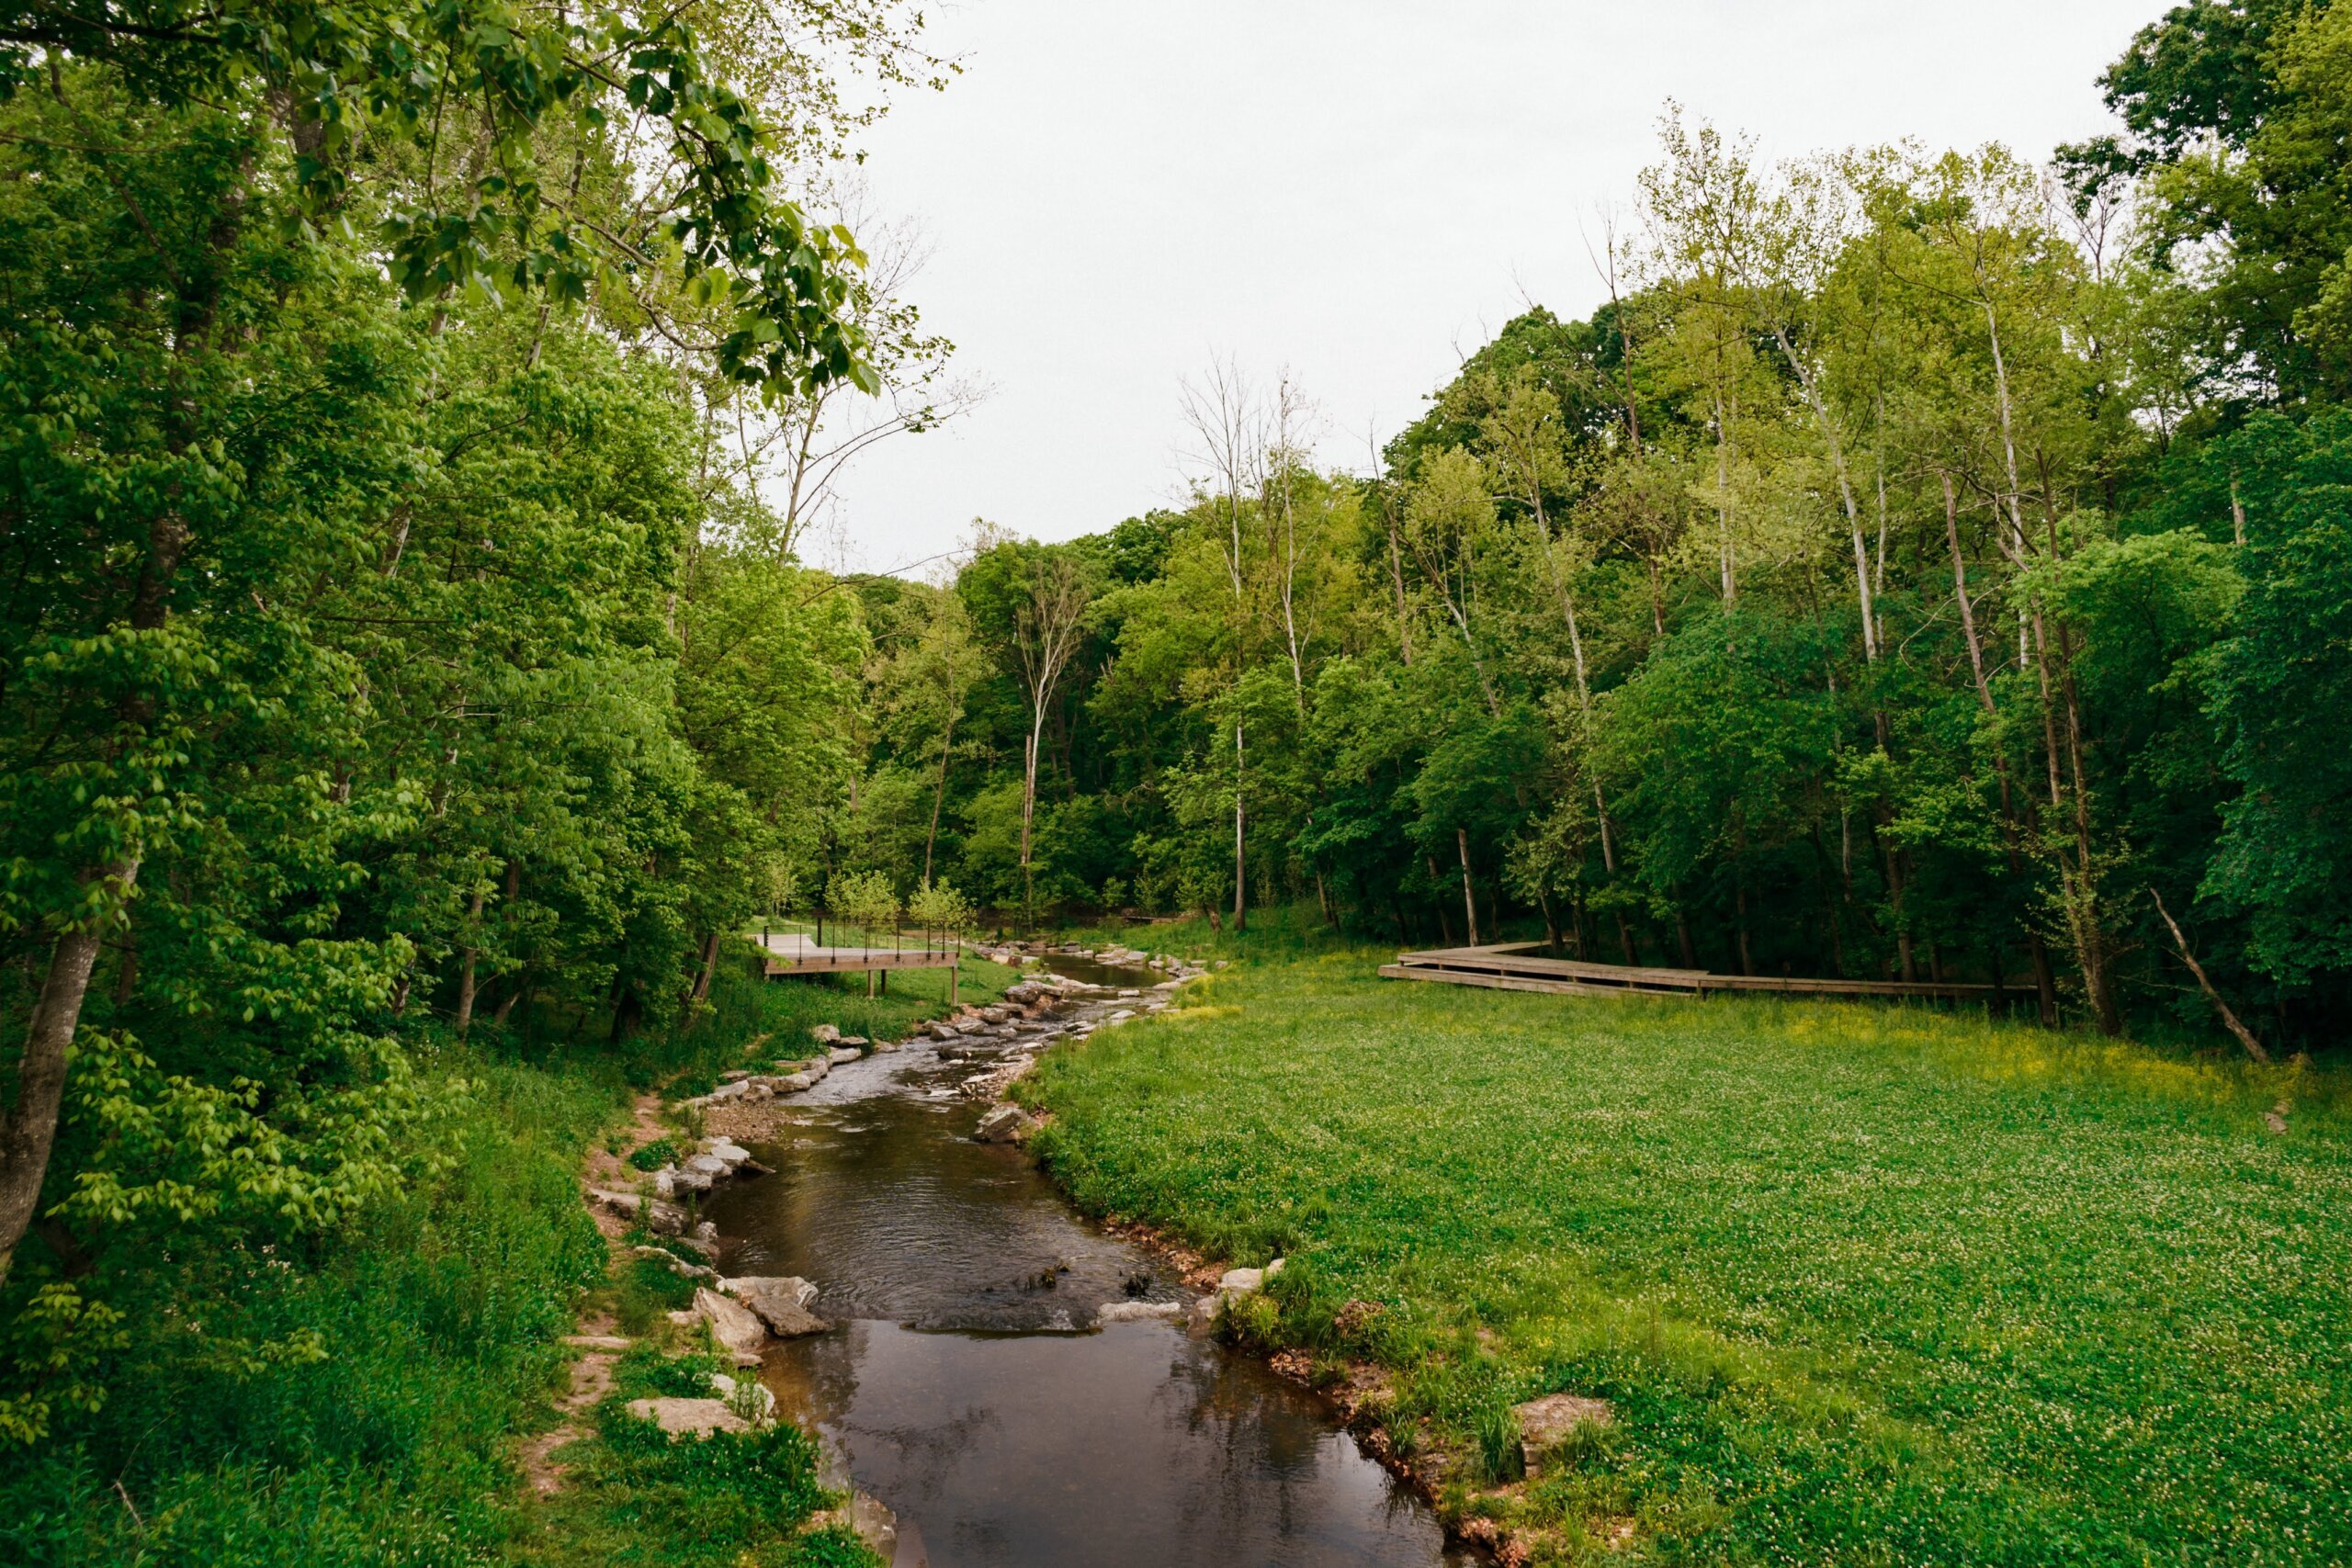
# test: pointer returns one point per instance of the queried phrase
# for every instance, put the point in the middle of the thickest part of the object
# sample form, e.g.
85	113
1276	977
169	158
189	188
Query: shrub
655	1155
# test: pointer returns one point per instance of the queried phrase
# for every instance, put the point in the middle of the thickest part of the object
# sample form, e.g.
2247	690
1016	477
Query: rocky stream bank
726	1148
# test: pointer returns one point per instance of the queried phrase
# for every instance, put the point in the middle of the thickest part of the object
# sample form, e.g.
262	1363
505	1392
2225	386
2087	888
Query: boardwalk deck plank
1516	966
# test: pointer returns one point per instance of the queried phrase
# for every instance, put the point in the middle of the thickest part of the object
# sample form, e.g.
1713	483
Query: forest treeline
1925	565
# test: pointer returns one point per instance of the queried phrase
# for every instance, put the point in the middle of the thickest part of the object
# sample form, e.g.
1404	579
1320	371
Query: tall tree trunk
28	1128
466	972
1828	429
1575	652
709	965
2081	907
1486	687
1829	907
1028	810
1240	865
2099	976
1739	891
1397	580
1898	871
1723	508
628	1011
126	972
1469	902
2045	985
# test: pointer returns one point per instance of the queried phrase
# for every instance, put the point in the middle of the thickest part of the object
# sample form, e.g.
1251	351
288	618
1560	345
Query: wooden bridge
1518	966
792	954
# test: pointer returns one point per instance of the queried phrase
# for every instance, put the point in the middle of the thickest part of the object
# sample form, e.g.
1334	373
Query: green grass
635	1496
355	1407
356	1402
1866	1285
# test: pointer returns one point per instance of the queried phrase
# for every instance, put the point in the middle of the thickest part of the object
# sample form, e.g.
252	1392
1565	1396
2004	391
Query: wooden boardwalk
790	952
1516	966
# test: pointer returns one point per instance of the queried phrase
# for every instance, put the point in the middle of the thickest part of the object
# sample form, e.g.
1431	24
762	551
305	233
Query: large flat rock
736	1328
1547	1423
697	1416
780	1302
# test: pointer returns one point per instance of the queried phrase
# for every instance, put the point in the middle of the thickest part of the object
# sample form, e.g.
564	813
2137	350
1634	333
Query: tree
938	908
1049	624
338	684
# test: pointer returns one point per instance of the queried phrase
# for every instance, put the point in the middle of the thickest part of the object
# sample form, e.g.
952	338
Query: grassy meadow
1865	1284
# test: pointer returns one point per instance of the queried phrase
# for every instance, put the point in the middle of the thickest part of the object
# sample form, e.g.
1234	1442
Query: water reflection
1135	1445
971	1389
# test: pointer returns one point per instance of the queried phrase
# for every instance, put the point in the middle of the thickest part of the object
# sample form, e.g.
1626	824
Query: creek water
969	1382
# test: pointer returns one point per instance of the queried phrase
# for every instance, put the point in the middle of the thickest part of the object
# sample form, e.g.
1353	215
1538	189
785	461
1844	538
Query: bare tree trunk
1241	868
465	973
2229	1019
2099	976
1028	810
1959	592
28	1128
1906	956
126	972
1049	626
1575	650
1289	583
2045	987
1739	891
1486	687
1469	903
2082	912
710	964
1845	489
1723	496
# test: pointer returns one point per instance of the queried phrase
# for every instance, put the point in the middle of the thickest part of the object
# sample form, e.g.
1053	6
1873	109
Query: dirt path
592	1374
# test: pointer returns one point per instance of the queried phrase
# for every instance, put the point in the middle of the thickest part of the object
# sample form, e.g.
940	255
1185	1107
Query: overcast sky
1358	190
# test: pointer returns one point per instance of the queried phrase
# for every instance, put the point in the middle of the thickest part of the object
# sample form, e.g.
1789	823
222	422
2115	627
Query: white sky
1361	191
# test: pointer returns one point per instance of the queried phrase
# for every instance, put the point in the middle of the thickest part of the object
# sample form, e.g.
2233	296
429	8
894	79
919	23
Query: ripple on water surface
969	1387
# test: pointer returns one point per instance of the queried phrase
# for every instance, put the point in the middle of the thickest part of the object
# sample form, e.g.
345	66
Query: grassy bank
1865	1285
357	1401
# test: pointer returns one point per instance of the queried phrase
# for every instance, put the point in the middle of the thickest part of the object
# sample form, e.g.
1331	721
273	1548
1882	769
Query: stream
967	1382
